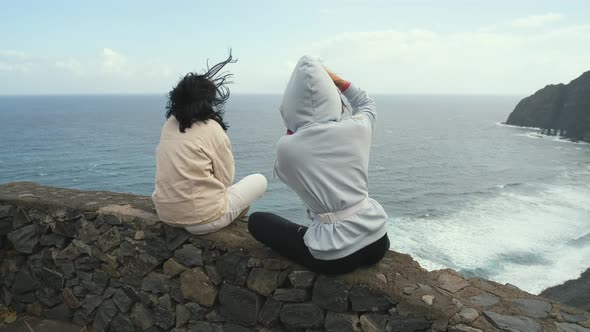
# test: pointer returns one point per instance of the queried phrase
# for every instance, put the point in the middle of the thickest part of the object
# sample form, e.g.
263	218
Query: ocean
462	191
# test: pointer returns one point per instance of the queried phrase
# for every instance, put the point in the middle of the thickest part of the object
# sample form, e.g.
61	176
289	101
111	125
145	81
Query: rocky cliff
574	292
104	260
561	108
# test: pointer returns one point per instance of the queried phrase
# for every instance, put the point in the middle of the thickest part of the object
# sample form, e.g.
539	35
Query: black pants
286	238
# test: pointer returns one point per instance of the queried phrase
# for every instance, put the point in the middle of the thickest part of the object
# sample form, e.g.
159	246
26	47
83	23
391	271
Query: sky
385	46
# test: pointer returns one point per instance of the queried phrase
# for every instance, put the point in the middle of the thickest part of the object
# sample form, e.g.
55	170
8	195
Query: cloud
12	54
113	62
70	64
535	21
426	61
15	61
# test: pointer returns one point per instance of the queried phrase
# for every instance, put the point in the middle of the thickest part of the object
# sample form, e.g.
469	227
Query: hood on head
310	96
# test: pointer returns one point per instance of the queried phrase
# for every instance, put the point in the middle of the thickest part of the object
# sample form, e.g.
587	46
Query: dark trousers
286	238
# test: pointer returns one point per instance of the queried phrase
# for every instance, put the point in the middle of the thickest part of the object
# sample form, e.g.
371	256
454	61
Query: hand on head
338	81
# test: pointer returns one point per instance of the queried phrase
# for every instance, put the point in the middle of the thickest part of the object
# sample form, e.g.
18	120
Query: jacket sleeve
362	104
224	168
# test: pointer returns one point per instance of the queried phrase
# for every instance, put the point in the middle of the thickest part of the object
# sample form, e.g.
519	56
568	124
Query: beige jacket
193	170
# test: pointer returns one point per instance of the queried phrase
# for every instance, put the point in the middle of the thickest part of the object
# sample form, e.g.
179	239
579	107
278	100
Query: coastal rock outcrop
575	293
562	109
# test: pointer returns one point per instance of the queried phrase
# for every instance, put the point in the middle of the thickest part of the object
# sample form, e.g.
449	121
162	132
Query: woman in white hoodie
325	160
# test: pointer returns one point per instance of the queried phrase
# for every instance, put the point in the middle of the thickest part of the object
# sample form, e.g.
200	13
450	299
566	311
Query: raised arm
361	103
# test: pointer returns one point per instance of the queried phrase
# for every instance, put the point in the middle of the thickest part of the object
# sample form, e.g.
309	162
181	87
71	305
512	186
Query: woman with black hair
194	163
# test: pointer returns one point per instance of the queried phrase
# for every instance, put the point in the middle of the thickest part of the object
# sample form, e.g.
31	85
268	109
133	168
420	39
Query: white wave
514	238
503	124
503	186
537	135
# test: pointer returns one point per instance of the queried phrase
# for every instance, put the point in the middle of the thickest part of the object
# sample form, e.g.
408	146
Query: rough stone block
122	300
512	323
165	302
155	283
110	219
484	300
215	316
275	264
104	315
142	317
82	317
452	283
269	313
330	294
210	256
59	312
53	240
292	295
196	286
21	218
139	266
302	278
172	268
239	304
122	323
408	324
109	239
233	268
189	255
342	322
374	322
175	237
363	298
70	299
87	233
301	315
164	317
24	239
533	308
157	247
197	312
24	282
229	327
265	281
213	275
183	315
91	302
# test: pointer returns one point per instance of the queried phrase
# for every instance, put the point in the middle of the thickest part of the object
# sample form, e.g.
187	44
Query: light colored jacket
193	170
326	161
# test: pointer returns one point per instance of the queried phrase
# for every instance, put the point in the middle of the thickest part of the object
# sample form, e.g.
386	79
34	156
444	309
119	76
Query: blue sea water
461	190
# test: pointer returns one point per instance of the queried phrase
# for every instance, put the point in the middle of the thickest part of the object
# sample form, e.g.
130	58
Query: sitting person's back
325	160
194	163
188	190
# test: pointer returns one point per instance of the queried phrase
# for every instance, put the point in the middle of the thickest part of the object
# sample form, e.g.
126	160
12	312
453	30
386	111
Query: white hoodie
326	161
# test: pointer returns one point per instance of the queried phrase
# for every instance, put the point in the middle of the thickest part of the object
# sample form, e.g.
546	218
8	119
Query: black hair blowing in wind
201	97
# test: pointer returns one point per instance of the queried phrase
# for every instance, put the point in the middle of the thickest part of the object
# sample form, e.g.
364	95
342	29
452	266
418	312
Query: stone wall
104	260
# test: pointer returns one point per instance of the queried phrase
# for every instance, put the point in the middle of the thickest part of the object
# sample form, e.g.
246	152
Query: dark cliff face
575	293
558	107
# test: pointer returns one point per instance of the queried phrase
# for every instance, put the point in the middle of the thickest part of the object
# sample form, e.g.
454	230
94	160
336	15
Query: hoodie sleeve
361	103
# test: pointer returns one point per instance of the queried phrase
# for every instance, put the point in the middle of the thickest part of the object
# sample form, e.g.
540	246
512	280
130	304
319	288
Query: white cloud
70	64
424	61
113	62
12	54
15	61
15	67
535	21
